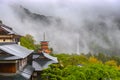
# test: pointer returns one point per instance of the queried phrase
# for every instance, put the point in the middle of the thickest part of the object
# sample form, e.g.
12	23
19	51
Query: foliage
37	47
78	67
28	41
91	68
111	63
87	72
73	59
92	59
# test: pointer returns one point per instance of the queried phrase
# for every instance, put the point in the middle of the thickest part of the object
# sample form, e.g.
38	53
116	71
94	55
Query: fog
71	26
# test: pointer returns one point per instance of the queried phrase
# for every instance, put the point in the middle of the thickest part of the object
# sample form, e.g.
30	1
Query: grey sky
80	18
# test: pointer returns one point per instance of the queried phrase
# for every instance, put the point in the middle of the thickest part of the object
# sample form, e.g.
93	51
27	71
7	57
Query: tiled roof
8	57
50	57
16	50
8	29
42	61
41	64
27	72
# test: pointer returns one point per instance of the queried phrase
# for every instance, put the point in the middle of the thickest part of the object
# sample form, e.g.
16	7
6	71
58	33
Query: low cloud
93	24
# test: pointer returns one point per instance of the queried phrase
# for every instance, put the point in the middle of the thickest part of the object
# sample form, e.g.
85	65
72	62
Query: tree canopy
28	41
92	68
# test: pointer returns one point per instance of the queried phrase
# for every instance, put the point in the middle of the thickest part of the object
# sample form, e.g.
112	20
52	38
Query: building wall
6	36
7	67
12	66
22	63
29	59
9	38
6	40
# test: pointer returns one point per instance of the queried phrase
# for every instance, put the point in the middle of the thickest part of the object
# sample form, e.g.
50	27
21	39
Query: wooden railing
7	36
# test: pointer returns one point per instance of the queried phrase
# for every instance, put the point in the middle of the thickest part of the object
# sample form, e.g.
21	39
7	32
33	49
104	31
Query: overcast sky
73	13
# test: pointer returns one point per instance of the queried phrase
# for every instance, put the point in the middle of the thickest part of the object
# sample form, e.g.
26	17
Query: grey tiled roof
8	57
50	57
38	55
27	72
40	63
16	50
8	29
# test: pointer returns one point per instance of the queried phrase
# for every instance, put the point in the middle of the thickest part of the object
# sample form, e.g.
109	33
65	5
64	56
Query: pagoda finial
44	36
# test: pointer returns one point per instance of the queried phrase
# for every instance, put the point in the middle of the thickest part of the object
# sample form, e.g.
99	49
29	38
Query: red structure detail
44	47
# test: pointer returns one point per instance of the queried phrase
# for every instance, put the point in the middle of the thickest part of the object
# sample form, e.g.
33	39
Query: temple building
44	46
42	59
18	62
7	34
15	60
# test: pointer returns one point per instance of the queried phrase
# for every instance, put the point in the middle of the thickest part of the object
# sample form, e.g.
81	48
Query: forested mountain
25	14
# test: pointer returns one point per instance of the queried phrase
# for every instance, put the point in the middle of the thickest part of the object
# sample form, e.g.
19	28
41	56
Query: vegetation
78	67
27	41
83	67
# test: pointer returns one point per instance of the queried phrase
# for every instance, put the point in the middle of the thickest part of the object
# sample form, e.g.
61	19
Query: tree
87	72
111	63
102	57
93	69
92	59
28	41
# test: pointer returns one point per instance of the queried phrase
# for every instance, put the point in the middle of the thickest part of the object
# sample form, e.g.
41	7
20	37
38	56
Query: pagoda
44	46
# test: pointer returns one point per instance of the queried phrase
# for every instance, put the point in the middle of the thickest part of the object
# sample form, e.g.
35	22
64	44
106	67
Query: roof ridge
6	26
7	43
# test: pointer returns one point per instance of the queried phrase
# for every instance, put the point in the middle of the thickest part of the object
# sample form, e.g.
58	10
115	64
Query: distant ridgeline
43	19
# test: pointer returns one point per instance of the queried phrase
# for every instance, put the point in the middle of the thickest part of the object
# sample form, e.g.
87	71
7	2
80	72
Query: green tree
111	63
93	69
28	41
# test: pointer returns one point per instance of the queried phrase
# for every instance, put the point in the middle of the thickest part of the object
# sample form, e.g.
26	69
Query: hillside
84	67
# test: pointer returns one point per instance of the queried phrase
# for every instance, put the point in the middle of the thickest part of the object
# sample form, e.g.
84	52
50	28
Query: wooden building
41	62
8	35
15	60
18	62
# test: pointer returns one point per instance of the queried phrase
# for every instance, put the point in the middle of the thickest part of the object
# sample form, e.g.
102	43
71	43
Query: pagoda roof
44	41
